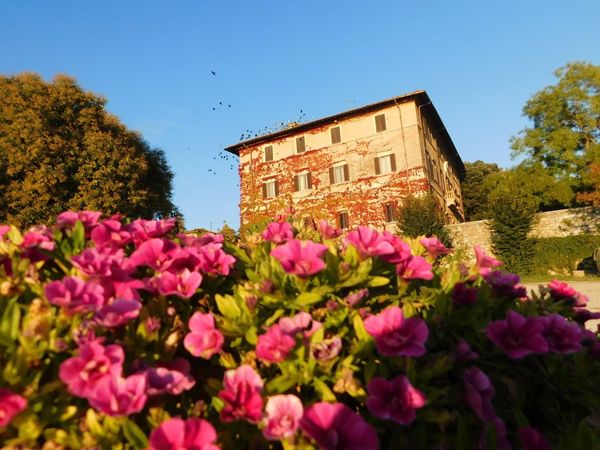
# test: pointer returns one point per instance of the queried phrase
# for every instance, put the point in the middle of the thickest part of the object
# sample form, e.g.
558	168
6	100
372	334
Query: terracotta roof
420	97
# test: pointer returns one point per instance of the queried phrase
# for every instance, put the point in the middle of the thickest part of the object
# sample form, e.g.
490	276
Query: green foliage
60	150
513	214
565	137
475	191
422	216
561	254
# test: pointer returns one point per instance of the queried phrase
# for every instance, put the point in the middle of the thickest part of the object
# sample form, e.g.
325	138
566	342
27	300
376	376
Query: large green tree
565	136
475	191
60	149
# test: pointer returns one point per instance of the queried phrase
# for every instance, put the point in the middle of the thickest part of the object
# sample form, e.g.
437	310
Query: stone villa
353	168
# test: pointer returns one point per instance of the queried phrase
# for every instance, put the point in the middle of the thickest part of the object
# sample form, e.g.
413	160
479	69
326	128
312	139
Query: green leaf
378	281
9	323
251	337
308	298
280	384
326	394
134	434
228	306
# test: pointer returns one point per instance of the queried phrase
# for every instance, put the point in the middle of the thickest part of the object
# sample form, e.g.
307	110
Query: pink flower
169	378
483	262
401	252
327	231
37	242
156	253
395	400
518	336
327	349
4	229
81	373
414	268
353	298
561	335
462	294
117	313
111	233
560	290
274	345
241	395
75	295
203	340
11	404
213	260
531	439
89	219
479	392
278	232
505	284
396	336
302	258
101	261
183	284
283	416
179	434
300	323
434	247
369	242
334	426
190	240
142	230
118	396
463	351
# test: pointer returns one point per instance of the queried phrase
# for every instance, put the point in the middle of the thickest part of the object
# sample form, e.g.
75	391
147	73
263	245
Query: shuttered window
339	173
380	123
385	164
303	182
300	144
336	135
343	220
270	189
390	212
269	153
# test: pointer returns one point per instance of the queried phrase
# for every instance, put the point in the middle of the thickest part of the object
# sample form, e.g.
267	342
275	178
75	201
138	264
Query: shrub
113	335
562	254
422	216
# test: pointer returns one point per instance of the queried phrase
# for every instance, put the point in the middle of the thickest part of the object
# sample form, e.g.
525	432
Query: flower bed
118	335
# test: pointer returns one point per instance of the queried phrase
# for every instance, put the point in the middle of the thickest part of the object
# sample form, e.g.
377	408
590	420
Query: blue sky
479	62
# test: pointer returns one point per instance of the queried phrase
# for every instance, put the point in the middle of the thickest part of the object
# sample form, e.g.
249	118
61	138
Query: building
353	168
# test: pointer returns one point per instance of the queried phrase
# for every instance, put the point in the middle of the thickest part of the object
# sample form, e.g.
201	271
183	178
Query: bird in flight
213	72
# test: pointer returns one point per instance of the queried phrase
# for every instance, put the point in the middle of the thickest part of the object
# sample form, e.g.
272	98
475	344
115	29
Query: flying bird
213	72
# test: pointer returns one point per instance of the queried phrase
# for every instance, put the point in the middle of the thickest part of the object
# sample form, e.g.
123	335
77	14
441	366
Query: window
303	182
385	164
390	212
339	173
380	123
300	144
336	135
343	220
269	153
270	189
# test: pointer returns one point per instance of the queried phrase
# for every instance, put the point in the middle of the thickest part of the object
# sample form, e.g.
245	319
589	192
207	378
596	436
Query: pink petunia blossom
37	242
111	233
182	284
395	400
283	416
274	345
158	254
142	230
327	231
213	260
117	313
242	395
118	396
518	336
531	439
11	404
99	261
434	247
75	295
334	426
300	323
462	294
169	378
89	219
479	392
353	298
559	290
203	340
396	336
179	434
369	242
401	252
327	349
414	268
463	351
302	258
4	229
278	232
561	335
484	263
505	284
189	240
81	373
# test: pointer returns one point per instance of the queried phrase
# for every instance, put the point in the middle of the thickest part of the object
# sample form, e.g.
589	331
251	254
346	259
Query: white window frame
270	188
303	185
381	156
339	166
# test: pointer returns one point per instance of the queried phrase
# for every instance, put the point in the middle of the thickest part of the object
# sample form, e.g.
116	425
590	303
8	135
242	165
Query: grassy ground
547	278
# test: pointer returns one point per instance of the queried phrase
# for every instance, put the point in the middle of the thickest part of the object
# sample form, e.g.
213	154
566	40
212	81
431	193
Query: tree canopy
60	149
565	137
475	191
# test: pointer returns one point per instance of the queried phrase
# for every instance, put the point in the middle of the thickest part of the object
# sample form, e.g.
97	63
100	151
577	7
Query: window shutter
264	190
300	144
346	172
269	153
296	184
276	188
380	123
331	180
393	162
377	168
336	136
309	180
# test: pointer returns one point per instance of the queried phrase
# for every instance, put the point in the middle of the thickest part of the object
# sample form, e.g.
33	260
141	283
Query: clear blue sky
479	61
